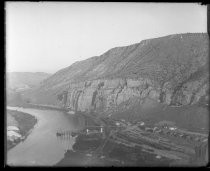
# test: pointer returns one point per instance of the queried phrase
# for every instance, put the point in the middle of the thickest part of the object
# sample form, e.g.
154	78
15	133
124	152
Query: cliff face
172	70
105	95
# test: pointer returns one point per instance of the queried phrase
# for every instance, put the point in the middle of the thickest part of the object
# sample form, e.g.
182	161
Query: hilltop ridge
136	79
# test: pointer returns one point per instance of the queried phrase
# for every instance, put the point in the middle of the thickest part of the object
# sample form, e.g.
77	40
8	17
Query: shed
12	128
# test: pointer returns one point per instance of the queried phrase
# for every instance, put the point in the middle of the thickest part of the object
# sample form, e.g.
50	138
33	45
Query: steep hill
149	58
171	70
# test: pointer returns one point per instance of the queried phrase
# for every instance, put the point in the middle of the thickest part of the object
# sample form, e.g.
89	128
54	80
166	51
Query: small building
172	128
158	157
101	130
12	135
205	140
156	129
142	123
165	124
94	130
12	128
117	123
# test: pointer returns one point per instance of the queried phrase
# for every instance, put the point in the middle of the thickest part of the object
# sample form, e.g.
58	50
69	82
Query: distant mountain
25	80
171	70
18	82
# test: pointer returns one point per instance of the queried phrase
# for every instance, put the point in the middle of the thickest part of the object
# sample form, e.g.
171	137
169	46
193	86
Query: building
172	128
12	128
12	135
156	129
94	130
142	123
117	123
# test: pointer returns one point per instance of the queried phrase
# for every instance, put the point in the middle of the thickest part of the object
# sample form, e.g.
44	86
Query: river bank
121	144
42	147
23	122
39	106
92	151
133	144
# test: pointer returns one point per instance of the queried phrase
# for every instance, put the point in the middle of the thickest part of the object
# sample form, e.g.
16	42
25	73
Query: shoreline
90	120
26	122
42	142
39	106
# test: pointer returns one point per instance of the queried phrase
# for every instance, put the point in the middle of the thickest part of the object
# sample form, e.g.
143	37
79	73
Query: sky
49	36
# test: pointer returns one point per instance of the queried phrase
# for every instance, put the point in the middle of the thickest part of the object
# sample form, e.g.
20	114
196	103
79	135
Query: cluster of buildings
164	129
172	131
13	133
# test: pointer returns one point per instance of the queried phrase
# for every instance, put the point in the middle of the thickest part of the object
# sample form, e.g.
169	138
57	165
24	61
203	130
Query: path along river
42	147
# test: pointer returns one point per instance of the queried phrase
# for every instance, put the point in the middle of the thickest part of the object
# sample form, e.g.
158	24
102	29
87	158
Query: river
42	147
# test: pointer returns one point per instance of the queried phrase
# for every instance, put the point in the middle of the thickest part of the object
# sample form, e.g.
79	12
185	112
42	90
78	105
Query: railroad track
98	151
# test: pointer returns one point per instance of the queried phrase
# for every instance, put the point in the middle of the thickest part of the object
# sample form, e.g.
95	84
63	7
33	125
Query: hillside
171	70
18	80
148	58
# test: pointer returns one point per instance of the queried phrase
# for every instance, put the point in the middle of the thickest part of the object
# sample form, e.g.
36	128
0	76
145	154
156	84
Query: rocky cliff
171	70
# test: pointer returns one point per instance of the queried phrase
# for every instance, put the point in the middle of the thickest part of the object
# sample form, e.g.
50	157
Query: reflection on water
66	140
42	147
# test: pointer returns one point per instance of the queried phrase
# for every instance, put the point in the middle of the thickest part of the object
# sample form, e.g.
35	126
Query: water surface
42	146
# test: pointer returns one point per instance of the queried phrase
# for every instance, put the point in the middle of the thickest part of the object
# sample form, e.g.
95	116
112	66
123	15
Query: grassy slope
175	58
193	118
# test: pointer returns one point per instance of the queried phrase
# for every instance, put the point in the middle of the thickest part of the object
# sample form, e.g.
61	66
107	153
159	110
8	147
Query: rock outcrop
103	95
172	70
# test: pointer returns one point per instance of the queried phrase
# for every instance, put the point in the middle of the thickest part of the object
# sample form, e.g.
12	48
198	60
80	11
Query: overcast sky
48	36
